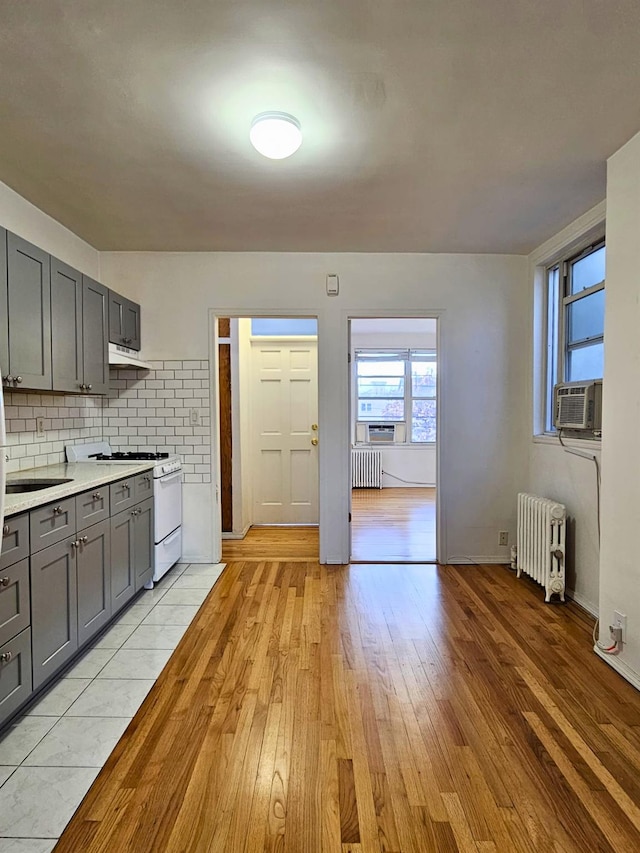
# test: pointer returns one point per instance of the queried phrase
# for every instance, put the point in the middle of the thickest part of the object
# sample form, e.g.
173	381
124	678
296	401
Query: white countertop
84	475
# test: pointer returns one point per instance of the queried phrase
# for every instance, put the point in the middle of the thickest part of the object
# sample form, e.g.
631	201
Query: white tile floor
51	755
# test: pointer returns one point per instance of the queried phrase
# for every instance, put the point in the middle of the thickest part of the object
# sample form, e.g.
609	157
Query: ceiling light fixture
275	135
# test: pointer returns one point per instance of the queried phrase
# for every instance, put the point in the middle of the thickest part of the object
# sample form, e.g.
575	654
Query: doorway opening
268	418
393	423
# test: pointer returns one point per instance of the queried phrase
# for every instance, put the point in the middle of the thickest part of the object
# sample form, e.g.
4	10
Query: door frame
410	314
214	400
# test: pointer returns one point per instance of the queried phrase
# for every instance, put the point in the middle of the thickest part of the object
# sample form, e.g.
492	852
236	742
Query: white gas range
167	495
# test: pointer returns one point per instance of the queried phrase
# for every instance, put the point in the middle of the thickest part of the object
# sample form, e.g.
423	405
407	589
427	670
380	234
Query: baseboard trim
241	535
198	558
587	605
620	667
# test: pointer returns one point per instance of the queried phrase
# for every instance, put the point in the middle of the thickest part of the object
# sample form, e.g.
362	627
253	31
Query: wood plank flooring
393	525
361	709
293	544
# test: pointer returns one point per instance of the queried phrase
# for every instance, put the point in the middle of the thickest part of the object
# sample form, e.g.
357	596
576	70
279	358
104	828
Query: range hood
120	356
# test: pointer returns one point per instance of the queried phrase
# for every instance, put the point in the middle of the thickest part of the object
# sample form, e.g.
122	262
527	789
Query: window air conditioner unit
384	433
579	405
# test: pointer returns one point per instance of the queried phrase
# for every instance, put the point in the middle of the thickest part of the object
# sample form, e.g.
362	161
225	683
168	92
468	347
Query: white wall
27	221
483	436
620	508
412	466
553	472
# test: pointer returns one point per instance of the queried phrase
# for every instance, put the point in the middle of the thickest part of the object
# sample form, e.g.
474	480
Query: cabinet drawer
123	495
52	523
14	600
15	540
15	673
92	506
144	486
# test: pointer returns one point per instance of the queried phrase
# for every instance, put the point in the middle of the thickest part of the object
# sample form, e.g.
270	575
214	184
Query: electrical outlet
503	537
194	417
620	621
39	427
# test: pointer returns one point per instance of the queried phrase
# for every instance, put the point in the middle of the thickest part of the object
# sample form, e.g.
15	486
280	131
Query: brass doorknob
314	441
314	426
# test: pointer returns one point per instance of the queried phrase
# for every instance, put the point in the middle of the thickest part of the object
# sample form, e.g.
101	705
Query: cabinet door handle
8	379
18	379
89	387
5	657
126	486
96	496
83	540
57	510
82	387
5	581
6	530
75	544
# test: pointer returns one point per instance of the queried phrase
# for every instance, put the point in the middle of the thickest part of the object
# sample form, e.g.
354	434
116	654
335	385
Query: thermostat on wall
333	285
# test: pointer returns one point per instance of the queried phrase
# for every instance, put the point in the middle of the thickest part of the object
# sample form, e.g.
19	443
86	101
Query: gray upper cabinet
95	356
29	310
56	323
66	327
78	331
124	321
4	306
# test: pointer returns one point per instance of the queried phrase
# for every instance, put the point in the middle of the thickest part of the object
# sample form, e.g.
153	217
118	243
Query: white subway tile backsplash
145	410
67	419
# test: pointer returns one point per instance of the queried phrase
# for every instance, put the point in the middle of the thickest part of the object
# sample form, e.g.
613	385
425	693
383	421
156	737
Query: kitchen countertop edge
83	476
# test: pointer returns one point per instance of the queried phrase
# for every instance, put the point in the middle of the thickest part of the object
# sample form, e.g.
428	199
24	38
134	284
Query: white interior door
284	416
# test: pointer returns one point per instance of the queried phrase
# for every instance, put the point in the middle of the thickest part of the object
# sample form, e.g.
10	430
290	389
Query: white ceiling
446	126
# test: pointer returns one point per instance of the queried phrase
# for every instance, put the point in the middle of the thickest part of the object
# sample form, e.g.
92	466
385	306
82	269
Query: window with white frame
575	290
398	386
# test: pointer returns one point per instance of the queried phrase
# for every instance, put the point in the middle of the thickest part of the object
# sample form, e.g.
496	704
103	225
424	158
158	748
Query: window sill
552	438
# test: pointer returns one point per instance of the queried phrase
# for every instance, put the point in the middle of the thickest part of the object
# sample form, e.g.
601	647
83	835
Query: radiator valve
514	557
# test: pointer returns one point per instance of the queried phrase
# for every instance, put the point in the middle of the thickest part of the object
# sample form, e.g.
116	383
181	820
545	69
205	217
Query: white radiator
542	527
366	468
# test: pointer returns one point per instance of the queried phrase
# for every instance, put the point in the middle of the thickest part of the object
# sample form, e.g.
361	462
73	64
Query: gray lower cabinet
131	552
54	608
143	543
123	582
15	540
15	614
94	579
65	569
15	673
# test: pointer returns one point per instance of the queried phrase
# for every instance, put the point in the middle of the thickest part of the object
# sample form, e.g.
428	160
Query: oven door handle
167	478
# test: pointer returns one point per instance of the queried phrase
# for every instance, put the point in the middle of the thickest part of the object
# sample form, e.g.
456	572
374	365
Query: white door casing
284	411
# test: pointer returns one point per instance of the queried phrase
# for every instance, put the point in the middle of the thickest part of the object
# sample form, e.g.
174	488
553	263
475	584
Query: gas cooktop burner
133	455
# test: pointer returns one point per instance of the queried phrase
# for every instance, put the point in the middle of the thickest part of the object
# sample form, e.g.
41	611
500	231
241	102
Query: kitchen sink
17	487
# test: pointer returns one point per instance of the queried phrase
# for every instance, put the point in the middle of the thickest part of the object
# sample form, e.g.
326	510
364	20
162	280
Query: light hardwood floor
293	544
361	709
393	525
